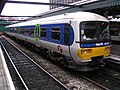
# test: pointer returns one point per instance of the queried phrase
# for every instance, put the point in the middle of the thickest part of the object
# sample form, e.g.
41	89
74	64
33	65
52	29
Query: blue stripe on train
49	33
88	45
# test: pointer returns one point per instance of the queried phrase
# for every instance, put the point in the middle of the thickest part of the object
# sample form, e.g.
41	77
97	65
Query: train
115	31
78	40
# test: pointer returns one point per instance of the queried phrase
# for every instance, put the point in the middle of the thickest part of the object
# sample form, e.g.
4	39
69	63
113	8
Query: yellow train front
93	58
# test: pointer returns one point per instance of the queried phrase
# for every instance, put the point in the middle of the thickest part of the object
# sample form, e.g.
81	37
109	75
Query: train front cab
94	45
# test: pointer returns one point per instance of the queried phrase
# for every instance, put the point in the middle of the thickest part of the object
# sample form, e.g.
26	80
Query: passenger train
115	31
78	40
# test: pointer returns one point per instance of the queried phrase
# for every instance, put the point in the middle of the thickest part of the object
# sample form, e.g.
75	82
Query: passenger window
32	32
43	32
29	31
21	30
56	33
114	31
26	31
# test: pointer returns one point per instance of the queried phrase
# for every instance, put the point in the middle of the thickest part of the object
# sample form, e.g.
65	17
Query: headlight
107	48
86	51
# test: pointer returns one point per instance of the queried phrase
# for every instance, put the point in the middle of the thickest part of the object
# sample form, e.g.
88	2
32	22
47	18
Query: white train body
78	53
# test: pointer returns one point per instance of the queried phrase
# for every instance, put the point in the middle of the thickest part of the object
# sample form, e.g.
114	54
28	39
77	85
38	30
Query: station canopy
31	8
22	8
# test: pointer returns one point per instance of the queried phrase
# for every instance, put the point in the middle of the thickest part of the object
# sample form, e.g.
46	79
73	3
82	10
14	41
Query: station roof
110	7
3	22
2	4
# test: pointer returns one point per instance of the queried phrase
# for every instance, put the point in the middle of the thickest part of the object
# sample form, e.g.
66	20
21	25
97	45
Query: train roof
64	18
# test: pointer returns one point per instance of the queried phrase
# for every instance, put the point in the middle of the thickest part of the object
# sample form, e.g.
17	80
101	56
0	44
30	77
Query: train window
32	32
94	30
88	30
114	31
21	30
29	31
26	31
10	29
56	33
18	30
15	30
43	32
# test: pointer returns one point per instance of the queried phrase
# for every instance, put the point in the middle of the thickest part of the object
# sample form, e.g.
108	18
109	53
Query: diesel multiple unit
79	40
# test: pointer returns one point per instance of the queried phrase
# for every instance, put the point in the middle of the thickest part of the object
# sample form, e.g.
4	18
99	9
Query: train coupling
101	64
97	62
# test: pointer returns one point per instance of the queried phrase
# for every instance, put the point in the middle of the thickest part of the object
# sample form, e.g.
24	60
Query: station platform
5	78
115	52
115	57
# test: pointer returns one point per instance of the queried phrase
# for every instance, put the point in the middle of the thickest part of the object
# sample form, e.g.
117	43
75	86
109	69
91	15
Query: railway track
32	76
113	64
107	79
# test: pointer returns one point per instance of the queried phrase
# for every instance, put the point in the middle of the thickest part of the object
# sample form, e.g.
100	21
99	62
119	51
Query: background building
3	23
61	2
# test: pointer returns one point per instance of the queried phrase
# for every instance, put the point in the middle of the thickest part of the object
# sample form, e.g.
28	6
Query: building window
56	33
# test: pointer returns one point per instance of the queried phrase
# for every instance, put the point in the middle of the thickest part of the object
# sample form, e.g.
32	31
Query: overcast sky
25	9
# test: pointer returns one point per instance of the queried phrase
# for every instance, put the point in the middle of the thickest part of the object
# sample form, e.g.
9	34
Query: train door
37	32
18	30
67	36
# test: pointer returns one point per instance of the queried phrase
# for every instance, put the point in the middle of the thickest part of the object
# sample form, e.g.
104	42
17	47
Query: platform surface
3	82
5	78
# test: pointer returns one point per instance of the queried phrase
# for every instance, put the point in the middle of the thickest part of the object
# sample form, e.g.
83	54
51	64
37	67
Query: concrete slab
5	78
